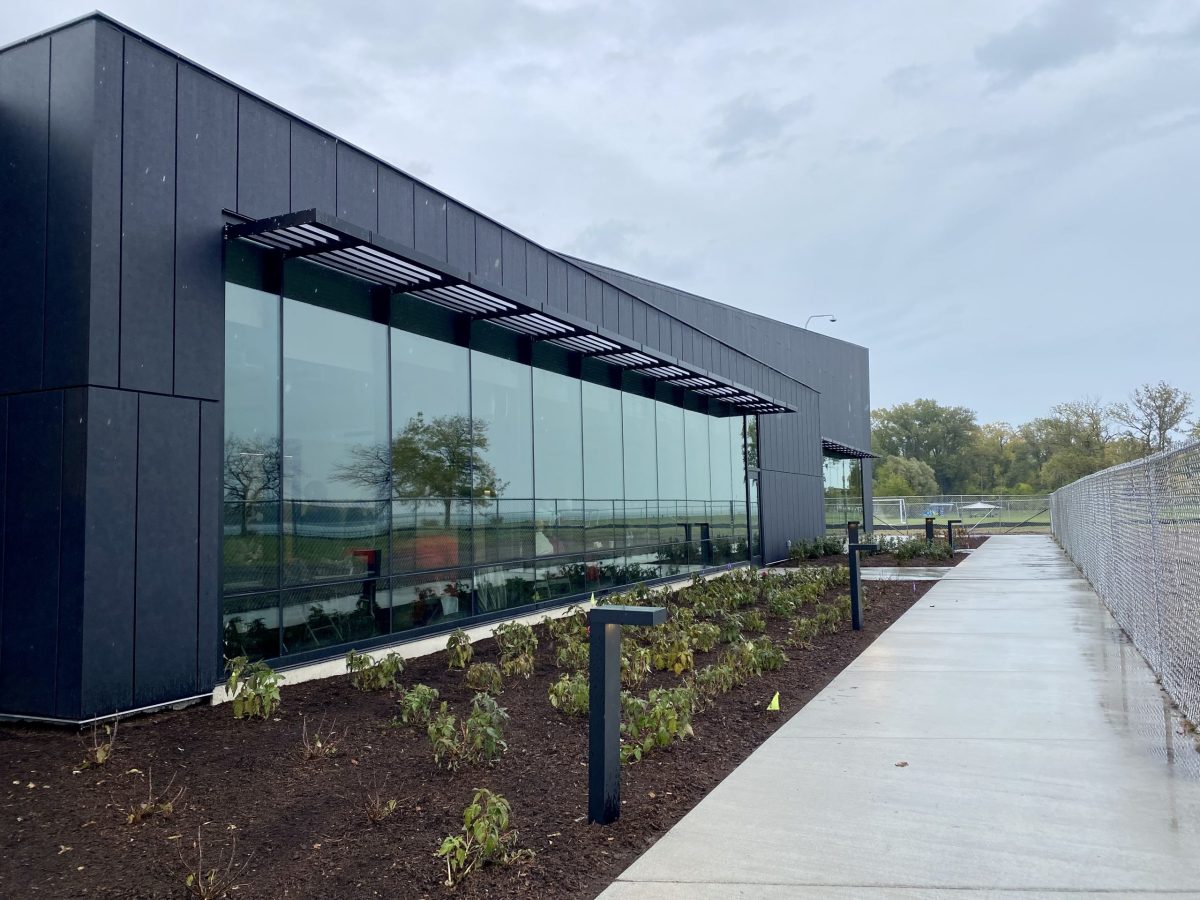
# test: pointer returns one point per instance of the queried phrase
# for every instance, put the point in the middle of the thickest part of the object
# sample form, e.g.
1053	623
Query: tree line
927	448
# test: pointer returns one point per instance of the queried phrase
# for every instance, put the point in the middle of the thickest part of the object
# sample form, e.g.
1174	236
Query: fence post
604	704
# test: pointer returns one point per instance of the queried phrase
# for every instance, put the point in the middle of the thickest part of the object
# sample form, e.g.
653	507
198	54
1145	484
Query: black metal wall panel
32	517
460	236
24	152
72	543
104	361
68	234
168	472
489	251
314	171
396	218
148	220
512	249
208	618
109	558
430	221
576	299
593	299
264	159
556	283
3	481
357	188
535	272
206	136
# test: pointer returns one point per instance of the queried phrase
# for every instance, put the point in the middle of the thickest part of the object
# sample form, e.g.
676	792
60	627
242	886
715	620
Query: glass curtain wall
389	467
843	492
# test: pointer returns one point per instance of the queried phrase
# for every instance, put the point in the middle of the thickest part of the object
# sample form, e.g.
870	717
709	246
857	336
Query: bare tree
1153	414
251	472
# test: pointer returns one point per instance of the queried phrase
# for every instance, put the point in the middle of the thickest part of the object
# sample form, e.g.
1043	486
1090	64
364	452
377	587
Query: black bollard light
604	704
929	529
852	532
856	617
950	523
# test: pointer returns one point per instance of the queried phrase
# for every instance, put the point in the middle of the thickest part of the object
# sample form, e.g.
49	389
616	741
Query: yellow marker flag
593	600
773	706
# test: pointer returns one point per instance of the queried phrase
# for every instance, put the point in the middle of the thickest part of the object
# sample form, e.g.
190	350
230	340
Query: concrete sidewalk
1041	760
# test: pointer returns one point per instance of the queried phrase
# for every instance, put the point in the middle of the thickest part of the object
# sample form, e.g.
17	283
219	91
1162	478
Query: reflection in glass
332	614
251	453
843	492
335	486
501	403
558	461
437	460
429	598
672	471
251	626
699	470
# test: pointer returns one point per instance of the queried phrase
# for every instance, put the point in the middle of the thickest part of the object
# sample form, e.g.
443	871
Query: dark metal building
262	393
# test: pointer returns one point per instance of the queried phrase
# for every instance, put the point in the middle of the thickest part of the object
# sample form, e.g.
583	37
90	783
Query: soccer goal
889	512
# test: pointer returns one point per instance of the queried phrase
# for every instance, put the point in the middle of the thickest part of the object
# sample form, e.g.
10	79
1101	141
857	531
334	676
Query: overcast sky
999	199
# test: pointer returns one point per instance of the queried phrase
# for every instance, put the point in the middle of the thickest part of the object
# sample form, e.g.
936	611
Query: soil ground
300	828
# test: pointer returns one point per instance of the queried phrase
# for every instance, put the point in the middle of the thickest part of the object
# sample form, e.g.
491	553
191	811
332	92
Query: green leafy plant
570	694
741	661
704	636
908	550
517	644
754	621
459	649
572	655
367	674
485	677
416	704
671	652
802	632
663	717
253	687
781	604
635	664
712	681
731	625
479	738
485	838
768	656
571	626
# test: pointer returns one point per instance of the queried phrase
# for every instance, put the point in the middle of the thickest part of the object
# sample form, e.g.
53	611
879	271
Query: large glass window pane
428	598
433	452
251	457
332	614
672	472
251	626
720	456
336	466
558	463
603	466
699	486
502	407
641	447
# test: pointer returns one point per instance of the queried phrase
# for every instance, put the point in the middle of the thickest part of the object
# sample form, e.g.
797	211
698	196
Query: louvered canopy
339	245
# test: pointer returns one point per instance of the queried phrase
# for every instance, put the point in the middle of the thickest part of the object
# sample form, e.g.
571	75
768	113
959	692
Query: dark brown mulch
888	559
302	825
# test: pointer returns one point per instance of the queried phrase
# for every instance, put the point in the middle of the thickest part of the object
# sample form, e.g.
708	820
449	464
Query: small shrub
477	739
368	675
571	626
377	806
416	704
485	677
741	661
754	621
572	655
459	649
731	626
254	688
704	636
99	750
517	644
781	604
828	618
570	694
671	651
665	716
910	549
161	804
712	681
635	664
802	632
322	743
768	657
485	838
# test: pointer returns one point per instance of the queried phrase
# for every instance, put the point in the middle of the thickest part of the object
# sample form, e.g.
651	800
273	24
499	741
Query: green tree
897	476
1154	415
441	460
939	436
251	473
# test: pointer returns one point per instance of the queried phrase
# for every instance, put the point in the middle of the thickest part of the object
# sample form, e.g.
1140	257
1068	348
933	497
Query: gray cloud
749	127
1058	35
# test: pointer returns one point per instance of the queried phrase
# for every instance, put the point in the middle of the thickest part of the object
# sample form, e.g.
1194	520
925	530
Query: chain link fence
979	513
1134	532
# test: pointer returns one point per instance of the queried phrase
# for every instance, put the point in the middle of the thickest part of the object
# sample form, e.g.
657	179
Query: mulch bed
302	825
888	559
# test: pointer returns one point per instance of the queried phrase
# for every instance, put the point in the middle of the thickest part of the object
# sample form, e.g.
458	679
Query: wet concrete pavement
1002	738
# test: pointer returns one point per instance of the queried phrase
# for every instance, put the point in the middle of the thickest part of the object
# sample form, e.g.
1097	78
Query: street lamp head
829	316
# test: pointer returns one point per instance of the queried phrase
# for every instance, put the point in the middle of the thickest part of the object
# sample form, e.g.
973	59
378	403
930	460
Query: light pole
828	316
